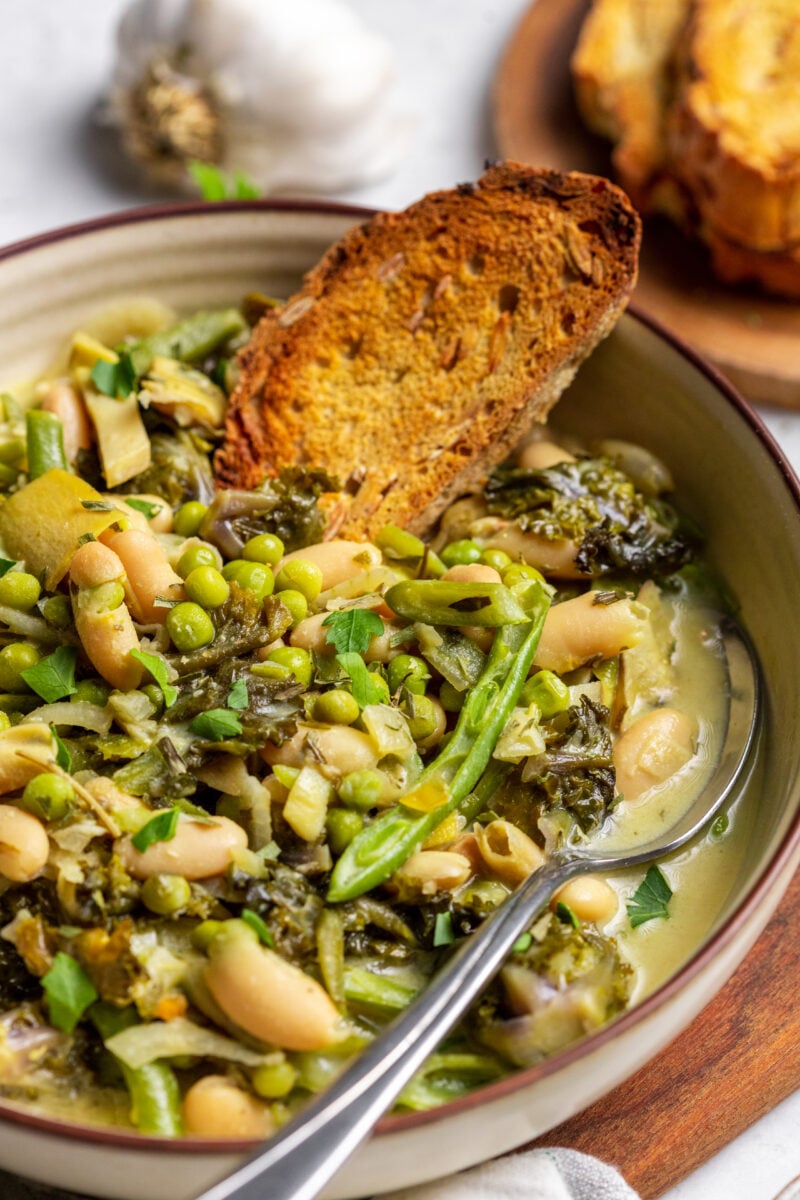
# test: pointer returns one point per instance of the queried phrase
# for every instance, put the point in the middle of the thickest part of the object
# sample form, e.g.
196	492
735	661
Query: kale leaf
575	774
286	506
597	506
577	769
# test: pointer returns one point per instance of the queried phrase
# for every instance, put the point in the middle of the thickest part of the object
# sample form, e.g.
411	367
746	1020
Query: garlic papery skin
297	94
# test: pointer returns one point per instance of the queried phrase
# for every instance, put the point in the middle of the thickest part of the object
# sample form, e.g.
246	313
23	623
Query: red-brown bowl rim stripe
519	1080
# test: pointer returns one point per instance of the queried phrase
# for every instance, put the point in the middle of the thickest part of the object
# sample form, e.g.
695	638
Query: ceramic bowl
640	384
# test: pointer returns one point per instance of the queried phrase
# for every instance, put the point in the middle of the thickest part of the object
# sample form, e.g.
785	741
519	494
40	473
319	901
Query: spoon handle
299	1161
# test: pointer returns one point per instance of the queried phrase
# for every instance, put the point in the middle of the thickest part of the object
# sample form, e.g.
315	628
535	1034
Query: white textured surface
57	167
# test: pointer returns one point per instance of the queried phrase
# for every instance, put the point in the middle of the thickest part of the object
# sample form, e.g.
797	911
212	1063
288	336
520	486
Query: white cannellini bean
472	573
199	850
339	749
65	402
580	630
149	574
269	997
24	846
107	634
430	871
539	454
652	749
589	897
215	1106
550	556
338	559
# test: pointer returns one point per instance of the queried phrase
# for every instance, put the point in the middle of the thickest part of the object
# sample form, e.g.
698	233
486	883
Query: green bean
45	440
441	602
365	989
153	1088
189	340
375	853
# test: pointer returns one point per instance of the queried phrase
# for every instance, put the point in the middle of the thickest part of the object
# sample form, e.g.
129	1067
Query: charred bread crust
426	342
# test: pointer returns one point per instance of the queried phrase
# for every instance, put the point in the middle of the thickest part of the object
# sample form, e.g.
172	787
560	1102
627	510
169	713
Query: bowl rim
521	1079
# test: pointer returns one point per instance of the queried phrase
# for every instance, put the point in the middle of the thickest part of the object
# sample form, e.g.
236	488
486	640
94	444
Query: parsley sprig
651	899
69	992
352	629
116	379
53	677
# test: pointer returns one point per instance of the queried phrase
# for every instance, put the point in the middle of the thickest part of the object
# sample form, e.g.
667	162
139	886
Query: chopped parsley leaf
364	688
160	672
53	677
650	900
115	379
160	828
237	696
69	992
352	629
216	725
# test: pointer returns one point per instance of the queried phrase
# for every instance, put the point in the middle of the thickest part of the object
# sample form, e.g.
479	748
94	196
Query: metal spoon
298	1161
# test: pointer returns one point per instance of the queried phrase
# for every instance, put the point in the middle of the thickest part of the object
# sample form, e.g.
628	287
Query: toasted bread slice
426	342
623	79
777	272
735	126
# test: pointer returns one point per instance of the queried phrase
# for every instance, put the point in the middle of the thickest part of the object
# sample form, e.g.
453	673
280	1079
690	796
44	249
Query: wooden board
753	339
734	1063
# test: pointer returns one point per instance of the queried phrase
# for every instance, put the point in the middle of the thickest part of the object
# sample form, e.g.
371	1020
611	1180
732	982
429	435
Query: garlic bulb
294	94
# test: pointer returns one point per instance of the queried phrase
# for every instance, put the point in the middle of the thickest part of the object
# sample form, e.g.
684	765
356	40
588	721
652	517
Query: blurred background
57	165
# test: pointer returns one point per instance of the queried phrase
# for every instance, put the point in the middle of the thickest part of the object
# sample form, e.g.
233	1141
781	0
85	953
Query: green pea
342	825
521	573
257	577
296	603
264	548
382	686
93	691
549	693
274	1080
460	553
106	597
189	626
198	555
423	718
12	450
410	672
19	590
204	933
189	518
165	894
15	658
293	659
398	543
336	707
300	575
362	789
450	698
48	796
57	611
207	587
497	559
